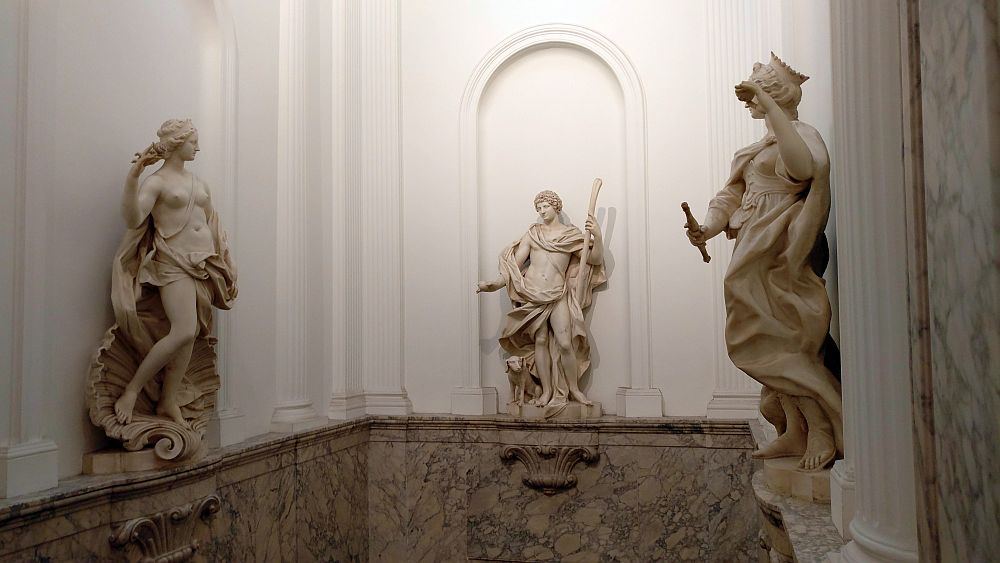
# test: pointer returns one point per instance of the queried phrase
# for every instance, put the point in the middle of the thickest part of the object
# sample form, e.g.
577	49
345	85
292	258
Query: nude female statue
176	252
776	204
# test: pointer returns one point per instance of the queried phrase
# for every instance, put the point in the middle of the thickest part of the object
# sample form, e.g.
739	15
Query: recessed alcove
553	117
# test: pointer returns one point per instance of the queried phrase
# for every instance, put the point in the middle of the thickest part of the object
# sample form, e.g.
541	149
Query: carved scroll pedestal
783	476
569	411
116	460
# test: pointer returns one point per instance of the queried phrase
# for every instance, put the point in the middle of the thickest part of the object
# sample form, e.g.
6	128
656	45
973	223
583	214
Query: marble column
28	459
294	409
374	201
868	184
733	48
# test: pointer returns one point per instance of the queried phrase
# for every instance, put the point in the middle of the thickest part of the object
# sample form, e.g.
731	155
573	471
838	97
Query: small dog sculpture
519	374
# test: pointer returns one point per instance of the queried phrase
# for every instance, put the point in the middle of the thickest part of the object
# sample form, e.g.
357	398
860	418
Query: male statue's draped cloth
146	258
532	306
777	309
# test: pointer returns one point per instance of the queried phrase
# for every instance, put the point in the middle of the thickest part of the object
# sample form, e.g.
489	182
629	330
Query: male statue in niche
550	274
776	204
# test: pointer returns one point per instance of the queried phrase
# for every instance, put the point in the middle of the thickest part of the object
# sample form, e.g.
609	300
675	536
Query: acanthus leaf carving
550	468
166	537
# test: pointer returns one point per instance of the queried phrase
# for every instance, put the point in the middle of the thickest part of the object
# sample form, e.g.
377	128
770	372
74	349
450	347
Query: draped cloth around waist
532	306
145	261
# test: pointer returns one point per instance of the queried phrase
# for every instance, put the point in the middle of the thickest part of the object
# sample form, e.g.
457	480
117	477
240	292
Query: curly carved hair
173	133
550	197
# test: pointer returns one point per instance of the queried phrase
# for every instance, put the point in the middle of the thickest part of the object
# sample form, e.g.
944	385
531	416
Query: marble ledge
273	451
263	451
808	526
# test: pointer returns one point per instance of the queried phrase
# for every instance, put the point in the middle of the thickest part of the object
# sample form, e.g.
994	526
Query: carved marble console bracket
549	468
165	537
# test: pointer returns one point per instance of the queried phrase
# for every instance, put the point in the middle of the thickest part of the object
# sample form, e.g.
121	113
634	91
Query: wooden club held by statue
693	225
583	279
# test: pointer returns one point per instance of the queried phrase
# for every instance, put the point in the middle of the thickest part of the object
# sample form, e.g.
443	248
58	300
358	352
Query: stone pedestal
783	476
569	411
113	460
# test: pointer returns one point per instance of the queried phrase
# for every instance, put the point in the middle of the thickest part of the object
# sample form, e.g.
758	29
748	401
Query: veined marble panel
332	506
423	489
733	516
387	513
960	86
257	519
438	479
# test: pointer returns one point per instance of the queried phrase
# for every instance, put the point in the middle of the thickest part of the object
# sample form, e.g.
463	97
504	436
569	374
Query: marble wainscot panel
262	489
424	488
960	86
647	496
332	497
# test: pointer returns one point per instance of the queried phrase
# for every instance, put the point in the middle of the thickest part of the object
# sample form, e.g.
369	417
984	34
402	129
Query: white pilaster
733	48
868	183
375	204
28	460
228	426
294	409
347	398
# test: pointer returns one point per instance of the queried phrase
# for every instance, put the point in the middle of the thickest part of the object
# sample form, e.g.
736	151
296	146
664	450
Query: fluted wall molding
733	47
869	186
374	201
346	387
636	396
293	408
28	460
228	426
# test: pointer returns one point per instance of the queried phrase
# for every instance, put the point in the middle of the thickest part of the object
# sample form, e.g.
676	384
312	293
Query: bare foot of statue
820	451
820	446
171	411
786	445
124	406
579	397
543	400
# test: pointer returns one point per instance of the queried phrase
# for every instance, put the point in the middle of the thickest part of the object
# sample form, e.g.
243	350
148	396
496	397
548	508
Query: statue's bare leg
562	329
180	304
793	441
167	405
543	365
820	447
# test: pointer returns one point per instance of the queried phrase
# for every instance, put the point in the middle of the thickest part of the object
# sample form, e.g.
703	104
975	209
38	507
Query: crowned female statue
775	204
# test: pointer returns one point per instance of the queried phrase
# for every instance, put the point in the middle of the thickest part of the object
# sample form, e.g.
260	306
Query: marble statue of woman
545	326
171	268
776	204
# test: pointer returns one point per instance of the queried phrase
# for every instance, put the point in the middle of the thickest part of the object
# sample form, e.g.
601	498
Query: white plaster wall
442	43
102	77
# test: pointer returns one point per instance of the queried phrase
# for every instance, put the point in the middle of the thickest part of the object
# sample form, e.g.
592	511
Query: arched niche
635	217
